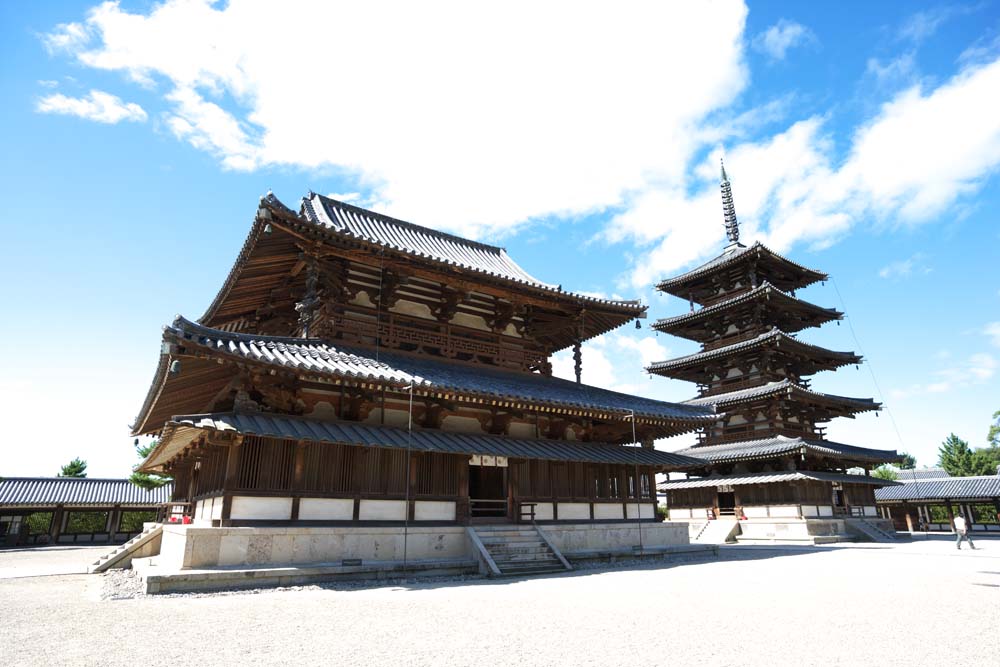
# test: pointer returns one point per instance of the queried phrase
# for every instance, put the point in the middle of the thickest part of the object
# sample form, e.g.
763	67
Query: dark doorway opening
488	492
727	503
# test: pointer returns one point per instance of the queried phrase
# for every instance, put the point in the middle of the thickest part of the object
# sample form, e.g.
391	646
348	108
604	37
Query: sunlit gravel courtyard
917	603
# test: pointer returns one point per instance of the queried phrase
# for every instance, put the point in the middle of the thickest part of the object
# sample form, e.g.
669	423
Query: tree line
957	458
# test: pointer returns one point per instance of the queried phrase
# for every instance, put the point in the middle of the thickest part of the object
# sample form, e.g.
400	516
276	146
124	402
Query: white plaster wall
323	410
755	512
810	510
252	507
461	424
679	513
543	511
326	509
471	321
784	511
420	310
608	510
569	511
398	418
434	510
217	507
646	511
522	430
382	510
870	511
825	510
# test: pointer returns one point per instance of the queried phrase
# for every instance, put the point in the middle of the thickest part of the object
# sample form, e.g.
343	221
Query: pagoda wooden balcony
395	331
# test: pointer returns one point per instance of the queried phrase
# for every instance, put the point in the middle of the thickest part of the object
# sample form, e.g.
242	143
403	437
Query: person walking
962	533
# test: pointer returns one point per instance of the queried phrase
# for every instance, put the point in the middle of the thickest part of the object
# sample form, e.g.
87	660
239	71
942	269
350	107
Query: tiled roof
420	440
906	476
771	478
783	387
987	486
770	447
78	491
765	290
414	239
731	256
775	335
314	356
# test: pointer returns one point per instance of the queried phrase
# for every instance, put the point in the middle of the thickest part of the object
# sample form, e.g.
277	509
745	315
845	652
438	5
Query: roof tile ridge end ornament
183	324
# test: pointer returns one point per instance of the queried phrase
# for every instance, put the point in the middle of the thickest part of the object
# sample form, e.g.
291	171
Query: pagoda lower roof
765	448
181	431
784	304
733	255
788	388
323	360
773	338
943	488
772	478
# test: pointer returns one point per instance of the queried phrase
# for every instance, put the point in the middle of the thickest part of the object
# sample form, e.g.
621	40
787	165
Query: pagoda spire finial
728	208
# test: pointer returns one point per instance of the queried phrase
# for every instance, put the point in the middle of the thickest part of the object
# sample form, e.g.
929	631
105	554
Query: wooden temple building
768	462
359	372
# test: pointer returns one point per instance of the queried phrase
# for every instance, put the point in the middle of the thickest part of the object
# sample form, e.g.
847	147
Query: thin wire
871	371
406	517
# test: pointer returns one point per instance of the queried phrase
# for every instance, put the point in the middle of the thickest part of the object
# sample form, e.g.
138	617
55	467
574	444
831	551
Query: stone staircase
719	531
517	550
870	530
122	554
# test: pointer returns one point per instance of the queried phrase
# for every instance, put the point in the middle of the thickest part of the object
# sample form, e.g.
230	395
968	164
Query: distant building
929	499
769	463
60	510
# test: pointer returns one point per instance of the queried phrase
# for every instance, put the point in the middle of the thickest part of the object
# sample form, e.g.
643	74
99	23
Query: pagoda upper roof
766	448
770	266
788	388
774	339
267	259
687	325
316	359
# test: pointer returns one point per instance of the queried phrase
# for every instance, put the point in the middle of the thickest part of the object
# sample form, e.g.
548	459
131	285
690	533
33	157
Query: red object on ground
186	519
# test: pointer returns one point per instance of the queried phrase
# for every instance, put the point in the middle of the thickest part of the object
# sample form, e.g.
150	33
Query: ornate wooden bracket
451	298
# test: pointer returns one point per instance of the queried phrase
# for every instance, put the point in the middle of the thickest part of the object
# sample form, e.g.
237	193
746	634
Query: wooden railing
175	512
480	508
449	340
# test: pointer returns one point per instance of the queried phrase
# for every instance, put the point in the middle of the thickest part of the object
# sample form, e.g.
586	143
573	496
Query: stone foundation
196	547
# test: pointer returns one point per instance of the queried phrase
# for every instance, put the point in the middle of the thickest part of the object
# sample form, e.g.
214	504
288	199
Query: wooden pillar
412	481
56	527
951	514
462	505
298	477
512	481
909	517
231	480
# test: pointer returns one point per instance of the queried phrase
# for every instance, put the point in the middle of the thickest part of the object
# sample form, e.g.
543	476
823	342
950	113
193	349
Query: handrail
551	546
484	555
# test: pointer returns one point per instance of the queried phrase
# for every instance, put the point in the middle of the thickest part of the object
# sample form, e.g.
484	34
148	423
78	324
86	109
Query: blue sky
862	139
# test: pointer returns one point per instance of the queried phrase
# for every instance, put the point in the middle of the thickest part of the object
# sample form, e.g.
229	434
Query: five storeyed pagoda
364	388
769	464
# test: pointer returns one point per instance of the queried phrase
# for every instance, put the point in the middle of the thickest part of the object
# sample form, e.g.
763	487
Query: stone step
532	570
490	534
525	558
499	550
527	539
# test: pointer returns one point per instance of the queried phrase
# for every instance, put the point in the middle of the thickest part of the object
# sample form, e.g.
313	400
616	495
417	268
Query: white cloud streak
782	36
97	105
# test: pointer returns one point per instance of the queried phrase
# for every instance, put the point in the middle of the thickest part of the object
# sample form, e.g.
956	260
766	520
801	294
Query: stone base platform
200	557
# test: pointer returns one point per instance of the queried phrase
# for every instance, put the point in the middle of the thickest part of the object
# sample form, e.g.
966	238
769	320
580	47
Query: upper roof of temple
415	240
272	255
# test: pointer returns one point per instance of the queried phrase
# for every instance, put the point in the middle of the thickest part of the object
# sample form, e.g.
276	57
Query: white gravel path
922	603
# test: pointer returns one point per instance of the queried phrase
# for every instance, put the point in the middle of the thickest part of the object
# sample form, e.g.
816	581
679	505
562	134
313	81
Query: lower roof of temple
772	478
764	448
181	431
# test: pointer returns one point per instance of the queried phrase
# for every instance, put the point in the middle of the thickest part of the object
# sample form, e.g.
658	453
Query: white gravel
922	603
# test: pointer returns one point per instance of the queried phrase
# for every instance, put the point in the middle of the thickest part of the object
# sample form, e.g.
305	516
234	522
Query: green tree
75	468
885	472
993	437
907	461
959	460
143	479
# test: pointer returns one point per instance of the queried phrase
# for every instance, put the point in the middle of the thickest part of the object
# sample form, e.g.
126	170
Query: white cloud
48	83
992	330
483	104
974	370
96	105
783	35
905	267
920	153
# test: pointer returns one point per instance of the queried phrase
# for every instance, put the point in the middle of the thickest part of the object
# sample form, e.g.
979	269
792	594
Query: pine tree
142	479
75	468
885	472
907	461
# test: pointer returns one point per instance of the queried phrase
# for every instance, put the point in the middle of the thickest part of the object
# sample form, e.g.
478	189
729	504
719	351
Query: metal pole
638	485
406	515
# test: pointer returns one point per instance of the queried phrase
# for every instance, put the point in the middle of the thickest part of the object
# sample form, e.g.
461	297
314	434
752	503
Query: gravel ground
922	603
40	561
